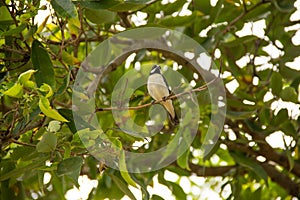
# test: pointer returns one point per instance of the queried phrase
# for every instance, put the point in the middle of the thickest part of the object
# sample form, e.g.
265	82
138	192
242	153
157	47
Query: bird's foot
165	98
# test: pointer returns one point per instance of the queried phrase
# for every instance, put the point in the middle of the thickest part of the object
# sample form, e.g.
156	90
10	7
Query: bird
158	89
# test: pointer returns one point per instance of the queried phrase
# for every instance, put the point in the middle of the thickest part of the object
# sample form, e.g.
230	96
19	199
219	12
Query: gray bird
158	89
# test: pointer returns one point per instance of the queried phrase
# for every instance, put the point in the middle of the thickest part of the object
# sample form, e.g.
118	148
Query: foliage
39	63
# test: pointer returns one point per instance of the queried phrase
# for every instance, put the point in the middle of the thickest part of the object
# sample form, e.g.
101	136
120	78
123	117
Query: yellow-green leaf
46	89
45	107
25	76
24	79
29	84
123	170
43	25
15	91
74	26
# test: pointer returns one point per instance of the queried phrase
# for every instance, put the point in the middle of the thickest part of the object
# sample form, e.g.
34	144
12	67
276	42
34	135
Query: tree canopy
74	100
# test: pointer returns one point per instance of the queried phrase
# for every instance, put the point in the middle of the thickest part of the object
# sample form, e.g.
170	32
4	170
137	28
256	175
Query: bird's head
155	69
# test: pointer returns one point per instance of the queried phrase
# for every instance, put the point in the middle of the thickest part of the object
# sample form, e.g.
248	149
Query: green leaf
58	185
281	117
252	165
171	147
54	126
265	116
176	190
64	85
288	128
14	31
42	63
183	160
286	72
92	164
48	143
177	21
70	116
203	6
216	11
261	12
170	8
20	151
123	170
244	95
122	186
240	114
15	173
213	151
64	8
5	15
290	159
140	1
126	6
276	83
16	91
239	41
70	167
289	94
285	6
156	197
45	107
99	16
103	4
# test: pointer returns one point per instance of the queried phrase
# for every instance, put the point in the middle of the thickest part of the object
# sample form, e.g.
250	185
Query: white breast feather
157	87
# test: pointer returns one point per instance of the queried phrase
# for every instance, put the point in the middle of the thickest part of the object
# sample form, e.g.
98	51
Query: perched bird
158	89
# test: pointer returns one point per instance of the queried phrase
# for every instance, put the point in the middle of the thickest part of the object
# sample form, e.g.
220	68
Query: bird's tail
172	114
174	120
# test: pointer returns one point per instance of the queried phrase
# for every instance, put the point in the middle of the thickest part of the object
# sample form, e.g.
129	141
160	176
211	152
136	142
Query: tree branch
124	19
171	96
30	126
278	177
281	179
212	171
243	14
271	154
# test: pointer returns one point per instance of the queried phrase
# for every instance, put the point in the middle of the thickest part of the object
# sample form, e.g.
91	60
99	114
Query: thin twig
22	143
171	96
242	15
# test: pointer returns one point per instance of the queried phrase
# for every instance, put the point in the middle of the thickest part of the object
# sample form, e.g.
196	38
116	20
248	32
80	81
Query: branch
56	149
5	48
281	179
124	19
171	96
243	14
264	148
211	171
278	177
271	154
30	126
22	143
